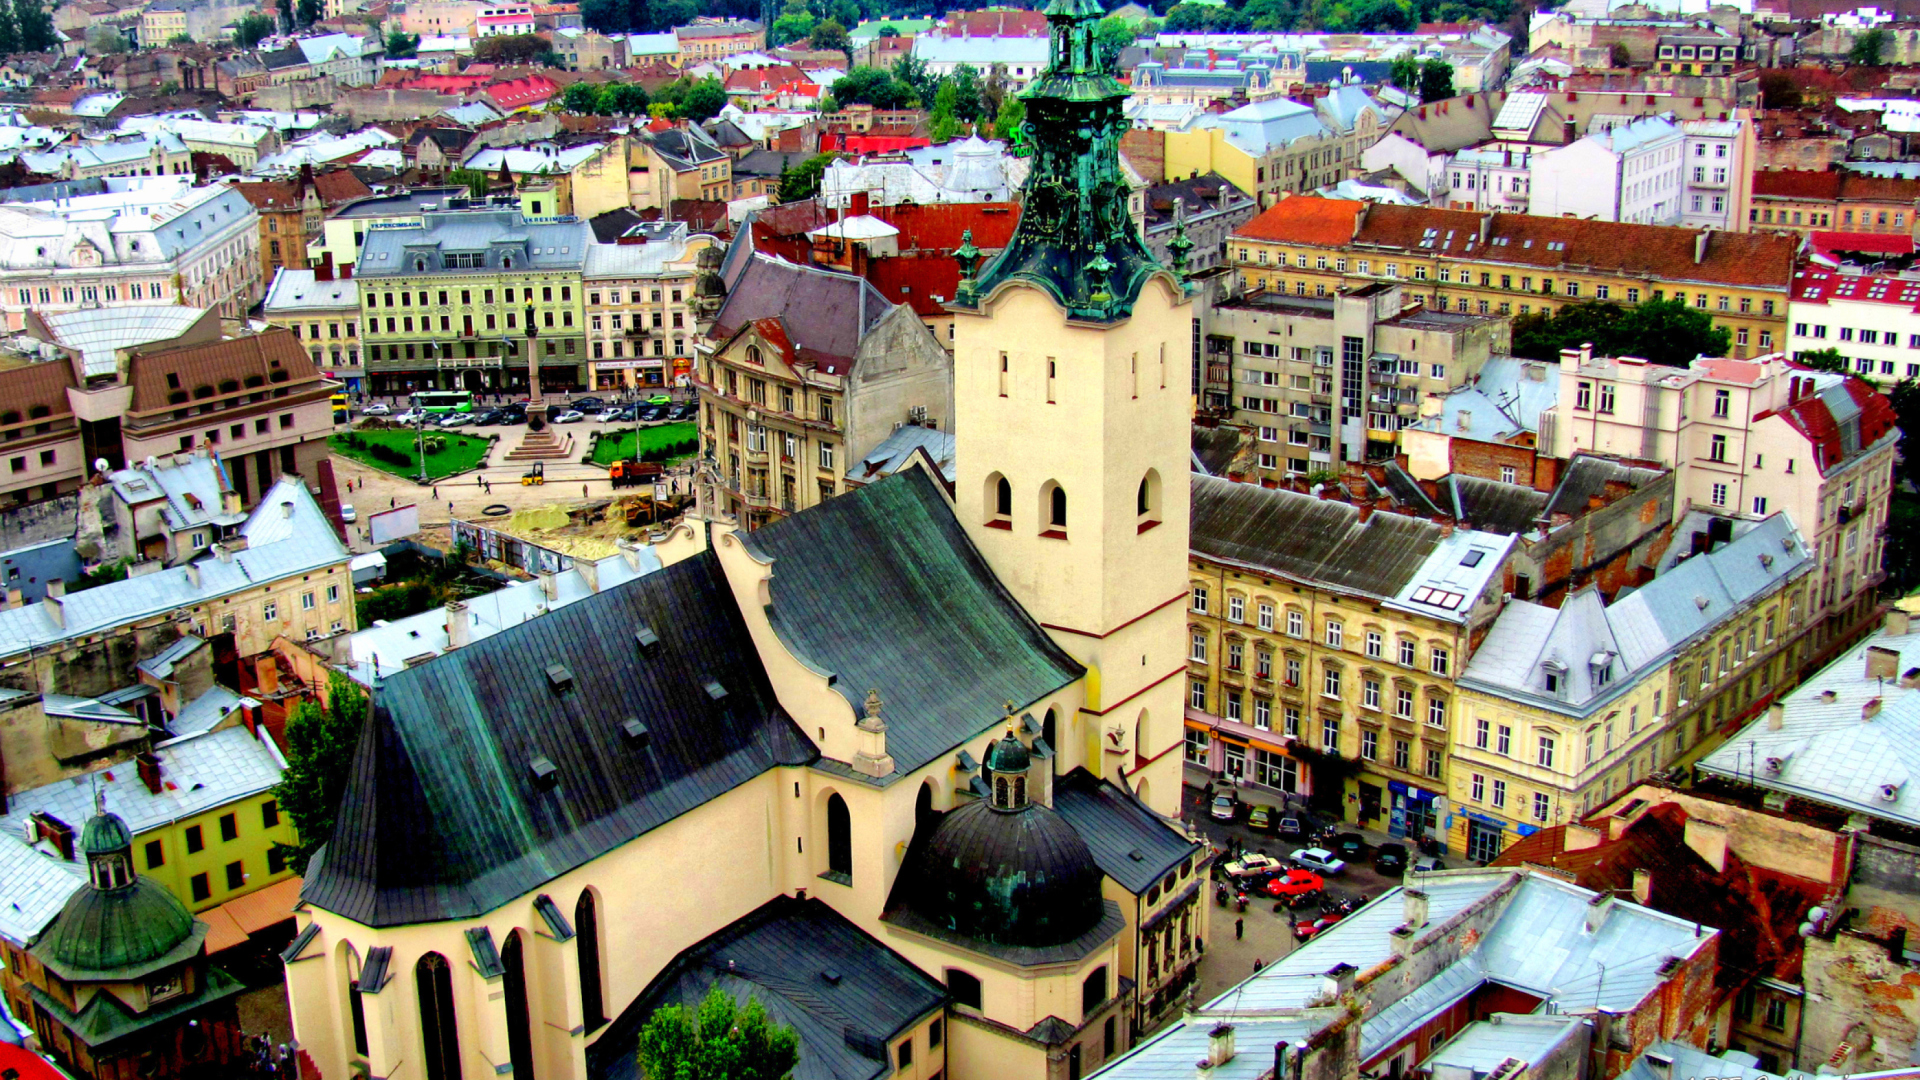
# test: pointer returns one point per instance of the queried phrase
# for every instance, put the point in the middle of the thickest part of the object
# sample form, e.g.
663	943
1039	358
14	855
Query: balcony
1321	399
756	457
636	332
756	500
1515	198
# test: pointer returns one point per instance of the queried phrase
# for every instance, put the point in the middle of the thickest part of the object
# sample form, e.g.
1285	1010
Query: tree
889	30
9	30
1436	81
704	100
581	99
1404	73
830	34
306	13
969	94
1006	124
34	26
320	747
1905	399
476	181
251	28
504	48
1828	359
1619	55
1110	36
105	40
720	1041
624	99
941	123
803	180
402	45
911	72
1663	331
176	40
1868	48
795	22
607	16
872	86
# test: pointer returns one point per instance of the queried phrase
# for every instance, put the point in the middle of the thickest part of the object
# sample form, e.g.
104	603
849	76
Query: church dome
112	930
1009	755
104	834
1019	878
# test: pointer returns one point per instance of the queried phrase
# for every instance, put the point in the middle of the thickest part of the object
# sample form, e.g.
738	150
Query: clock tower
1072	416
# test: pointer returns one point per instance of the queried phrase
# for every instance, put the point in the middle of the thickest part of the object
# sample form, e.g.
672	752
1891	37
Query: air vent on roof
714	689
1700	602
545	776
1136	855
1889	792
636	733
830	977
559	678
645	636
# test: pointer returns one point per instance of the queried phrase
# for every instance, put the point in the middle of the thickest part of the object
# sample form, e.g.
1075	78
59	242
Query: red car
1308	929
1294	882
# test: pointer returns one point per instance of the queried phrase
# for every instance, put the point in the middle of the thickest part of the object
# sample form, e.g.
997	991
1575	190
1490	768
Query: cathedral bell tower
1072	349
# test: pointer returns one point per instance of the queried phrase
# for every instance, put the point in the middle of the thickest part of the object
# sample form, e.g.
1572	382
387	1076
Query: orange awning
234	921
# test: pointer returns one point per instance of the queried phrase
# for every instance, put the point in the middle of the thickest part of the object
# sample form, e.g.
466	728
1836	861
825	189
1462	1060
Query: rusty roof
1304	220
272	358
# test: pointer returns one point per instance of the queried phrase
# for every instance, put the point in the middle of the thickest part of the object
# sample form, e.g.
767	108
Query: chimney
1700	245
1464	420
1597	911
56	607
1280	1060
549	585
1643	887
324	270
57	587
459	625
16	597
1414	903
286	509
1870	710
223	553
629	551
1581	837
589	572
1220	1045
1882	662
149	765
1709	841
1776	716
1338	980
1899	623
1486	226
1569	132
193	574
1363	511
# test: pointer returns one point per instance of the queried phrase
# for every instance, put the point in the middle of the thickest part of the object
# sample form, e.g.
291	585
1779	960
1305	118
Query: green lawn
462	452
611	448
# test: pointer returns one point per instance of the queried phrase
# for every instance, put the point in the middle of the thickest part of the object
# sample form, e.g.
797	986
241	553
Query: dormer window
1556	677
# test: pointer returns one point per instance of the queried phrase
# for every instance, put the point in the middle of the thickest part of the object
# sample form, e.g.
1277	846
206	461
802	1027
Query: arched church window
433	985
586	927
1057	508
839	836
513	960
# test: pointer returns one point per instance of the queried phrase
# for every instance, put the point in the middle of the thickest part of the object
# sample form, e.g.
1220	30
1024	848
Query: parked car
653	414
347	513
1260	819
1320	859
458	419
587	404
1224	808
378	408
1253	864
1350	846
683	411
411	416
1307	930
625	416
609	416
1290	827
1295	882
1427	864
659	399
1391	859
571	416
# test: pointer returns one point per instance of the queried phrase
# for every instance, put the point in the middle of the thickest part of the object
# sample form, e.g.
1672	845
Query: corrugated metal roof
1307	539
882	587
446	756
1133	845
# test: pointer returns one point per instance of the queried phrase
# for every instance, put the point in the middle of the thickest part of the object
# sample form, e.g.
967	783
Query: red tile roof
1651	252
1818	286
445	84
1827	244
993	22
519	93
270	195
1832	185
1834	444
762	80
1305	220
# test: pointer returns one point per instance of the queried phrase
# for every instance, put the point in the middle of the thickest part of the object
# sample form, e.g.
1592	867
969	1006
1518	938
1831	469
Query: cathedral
904	766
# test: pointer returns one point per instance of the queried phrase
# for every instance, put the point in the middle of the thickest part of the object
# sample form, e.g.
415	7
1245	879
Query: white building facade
1871	320
143	239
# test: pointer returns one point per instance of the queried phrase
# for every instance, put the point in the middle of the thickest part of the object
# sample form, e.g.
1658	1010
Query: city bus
440	402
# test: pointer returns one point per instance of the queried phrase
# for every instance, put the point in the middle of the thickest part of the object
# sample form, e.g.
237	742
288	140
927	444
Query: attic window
545	776
714	689
645	637
636	733
559	678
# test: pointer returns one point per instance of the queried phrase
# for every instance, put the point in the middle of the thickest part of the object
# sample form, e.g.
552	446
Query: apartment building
1803	200
1276	147
127	240
640	317
1871	320
1751	439
290	213
1320	631
710	39
1561	709
1323	380
323	311
804	372
458	301
1632	173
343	231
1511	264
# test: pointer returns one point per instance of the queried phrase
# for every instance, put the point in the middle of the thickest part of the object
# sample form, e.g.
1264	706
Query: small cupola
1006	773
108	845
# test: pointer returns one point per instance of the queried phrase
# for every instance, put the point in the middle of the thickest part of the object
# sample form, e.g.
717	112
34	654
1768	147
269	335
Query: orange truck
634	473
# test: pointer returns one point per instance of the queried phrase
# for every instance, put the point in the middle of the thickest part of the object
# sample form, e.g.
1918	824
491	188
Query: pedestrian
1239	929
583	491
1257	965
392	502
1292	922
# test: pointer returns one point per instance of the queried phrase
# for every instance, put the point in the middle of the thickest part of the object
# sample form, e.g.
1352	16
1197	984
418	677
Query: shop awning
237	920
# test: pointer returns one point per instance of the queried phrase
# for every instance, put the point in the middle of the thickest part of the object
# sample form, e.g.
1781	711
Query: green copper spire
1075	238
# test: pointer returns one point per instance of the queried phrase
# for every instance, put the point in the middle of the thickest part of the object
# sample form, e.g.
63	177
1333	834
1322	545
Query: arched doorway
433	986
519	1025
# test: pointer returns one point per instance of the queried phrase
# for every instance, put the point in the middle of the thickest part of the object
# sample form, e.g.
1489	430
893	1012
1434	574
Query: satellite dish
100	464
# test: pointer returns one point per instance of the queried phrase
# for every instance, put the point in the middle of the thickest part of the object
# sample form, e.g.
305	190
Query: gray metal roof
1484	1044
1133	845
882	587
494	232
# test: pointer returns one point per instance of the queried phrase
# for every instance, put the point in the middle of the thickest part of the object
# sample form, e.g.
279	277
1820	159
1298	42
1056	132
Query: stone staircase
544	445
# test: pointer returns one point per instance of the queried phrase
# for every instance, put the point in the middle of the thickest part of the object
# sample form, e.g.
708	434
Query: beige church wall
657	895
976	1053
1014	997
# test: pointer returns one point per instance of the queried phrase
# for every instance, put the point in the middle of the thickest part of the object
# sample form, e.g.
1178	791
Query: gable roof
1843	417
1133	845
845	994
1321	222
1307	539
825	314
447	753
882	587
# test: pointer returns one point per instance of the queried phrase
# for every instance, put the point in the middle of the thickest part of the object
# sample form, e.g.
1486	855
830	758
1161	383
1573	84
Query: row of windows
618	318
313	330
195	838
90	294
1864	336
613	297
1817	218
404	324
1372	687
1371	643
466	297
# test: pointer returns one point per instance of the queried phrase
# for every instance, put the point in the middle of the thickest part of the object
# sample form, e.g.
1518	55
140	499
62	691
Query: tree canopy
803	180
252	27
721	1041
320	743
1868	48
831	34
873	86
402	45
1662	331
509	48
25	26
